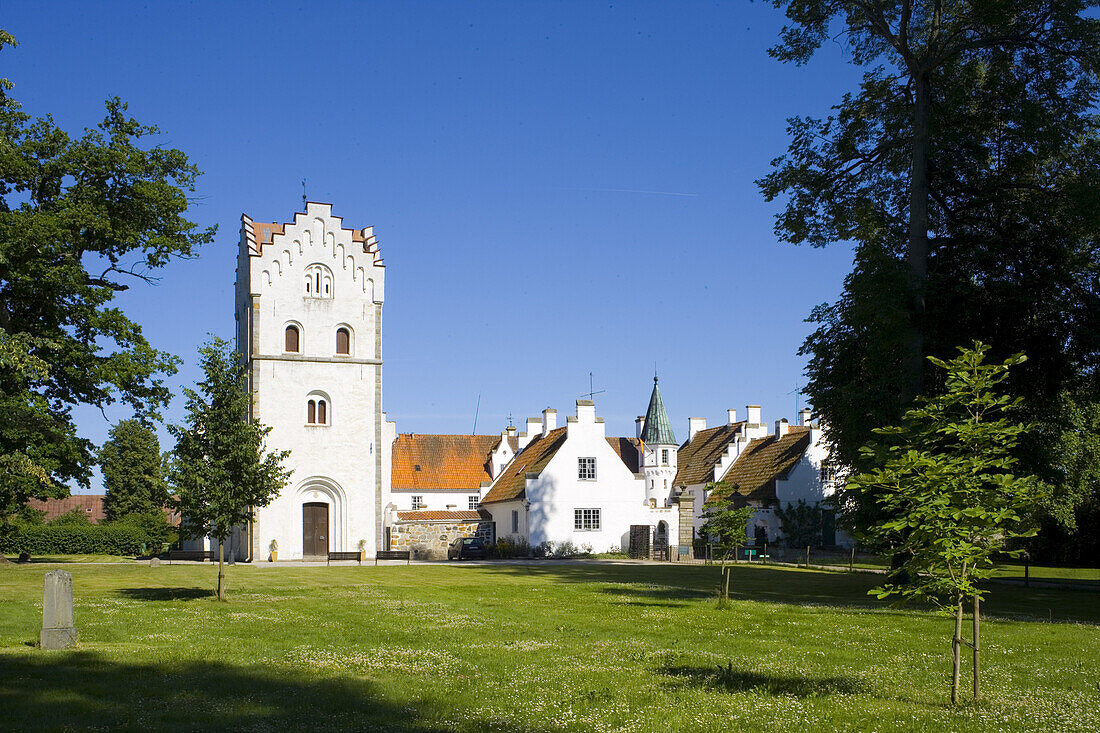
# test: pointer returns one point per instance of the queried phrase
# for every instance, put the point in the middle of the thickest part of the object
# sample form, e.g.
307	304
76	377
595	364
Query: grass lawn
585	646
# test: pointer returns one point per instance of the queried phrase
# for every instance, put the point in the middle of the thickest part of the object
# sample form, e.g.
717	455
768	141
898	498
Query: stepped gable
696	458
258	234
752	476
512	484
441	462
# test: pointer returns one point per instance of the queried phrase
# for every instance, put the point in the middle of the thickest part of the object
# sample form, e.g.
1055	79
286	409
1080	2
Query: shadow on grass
737	680
771	584
165	594
82	690
655	596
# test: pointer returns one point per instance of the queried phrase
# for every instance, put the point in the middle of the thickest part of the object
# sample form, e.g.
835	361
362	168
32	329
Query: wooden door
315	529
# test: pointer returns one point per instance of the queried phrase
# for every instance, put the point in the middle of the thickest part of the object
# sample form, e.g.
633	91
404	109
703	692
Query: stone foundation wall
430	540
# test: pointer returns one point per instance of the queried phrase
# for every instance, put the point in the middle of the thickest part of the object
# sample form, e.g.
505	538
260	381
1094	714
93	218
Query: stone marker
57	611
154	562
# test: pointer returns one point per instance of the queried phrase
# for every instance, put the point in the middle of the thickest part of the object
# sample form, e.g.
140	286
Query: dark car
466	548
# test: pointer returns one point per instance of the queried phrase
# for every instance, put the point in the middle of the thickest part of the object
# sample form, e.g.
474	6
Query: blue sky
558	188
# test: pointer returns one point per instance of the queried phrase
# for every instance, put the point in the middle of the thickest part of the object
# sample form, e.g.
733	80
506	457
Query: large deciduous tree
133	471
81	219
947	488
966	171
220	469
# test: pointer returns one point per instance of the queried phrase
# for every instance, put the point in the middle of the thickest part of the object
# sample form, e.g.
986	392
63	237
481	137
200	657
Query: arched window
318	282
343	341
292	339
317	411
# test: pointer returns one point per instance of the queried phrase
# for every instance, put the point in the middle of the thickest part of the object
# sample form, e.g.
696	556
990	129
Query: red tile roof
441	462
696	458
512	484
752	476
627	448
90	505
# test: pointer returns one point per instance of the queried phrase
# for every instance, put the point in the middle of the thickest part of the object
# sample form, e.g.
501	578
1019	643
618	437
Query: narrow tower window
317	411
318	282
343	341
292	339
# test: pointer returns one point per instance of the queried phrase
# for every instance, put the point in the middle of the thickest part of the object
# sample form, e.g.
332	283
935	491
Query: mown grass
586	646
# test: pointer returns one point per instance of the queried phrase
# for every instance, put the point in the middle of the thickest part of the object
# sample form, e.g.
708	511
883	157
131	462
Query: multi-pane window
586	520
664	456
586	469
292	339
343	341
316	411
515	522
473	502
418	502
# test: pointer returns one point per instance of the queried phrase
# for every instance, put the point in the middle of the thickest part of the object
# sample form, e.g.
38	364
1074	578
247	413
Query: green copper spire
657	429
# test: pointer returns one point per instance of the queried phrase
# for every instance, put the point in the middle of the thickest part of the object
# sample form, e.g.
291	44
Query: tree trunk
956	650
221	570
977	645
917	251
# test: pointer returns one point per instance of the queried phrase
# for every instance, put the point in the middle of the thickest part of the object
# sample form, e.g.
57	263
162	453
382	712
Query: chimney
534	427
549	420
781	427
586	411
511	431
753	414
804	417
731	417
695	424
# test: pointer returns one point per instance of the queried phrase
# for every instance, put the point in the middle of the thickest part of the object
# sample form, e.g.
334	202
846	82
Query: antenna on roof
592	391
510	418
476	409
303	194
797	392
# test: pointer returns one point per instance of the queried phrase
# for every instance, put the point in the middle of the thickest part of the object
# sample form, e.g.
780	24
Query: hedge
74	539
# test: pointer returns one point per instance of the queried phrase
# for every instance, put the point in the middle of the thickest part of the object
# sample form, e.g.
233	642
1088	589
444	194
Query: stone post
57	611
687	522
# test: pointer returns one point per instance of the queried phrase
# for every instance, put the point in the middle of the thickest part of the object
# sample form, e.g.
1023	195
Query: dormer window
292	339
318	282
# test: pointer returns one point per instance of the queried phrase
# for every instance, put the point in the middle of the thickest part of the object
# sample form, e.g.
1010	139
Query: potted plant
274	550
362	550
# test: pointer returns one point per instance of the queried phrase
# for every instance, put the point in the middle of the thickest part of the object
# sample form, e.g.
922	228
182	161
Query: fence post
764	557
852	560
807	557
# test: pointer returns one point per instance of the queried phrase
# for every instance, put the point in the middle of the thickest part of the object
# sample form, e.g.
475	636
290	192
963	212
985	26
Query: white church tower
658	459
309	327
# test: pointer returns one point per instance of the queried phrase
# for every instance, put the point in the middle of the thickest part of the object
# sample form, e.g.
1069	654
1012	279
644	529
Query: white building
575	484
309	327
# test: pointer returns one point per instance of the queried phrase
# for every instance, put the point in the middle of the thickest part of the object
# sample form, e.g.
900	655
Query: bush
505	549
75	517
74	539
153	524
543	549
565	549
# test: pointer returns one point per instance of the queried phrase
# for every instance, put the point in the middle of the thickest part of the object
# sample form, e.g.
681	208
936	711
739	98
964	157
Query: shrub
74	517
74	539
154	525
564	549
506	548
543	549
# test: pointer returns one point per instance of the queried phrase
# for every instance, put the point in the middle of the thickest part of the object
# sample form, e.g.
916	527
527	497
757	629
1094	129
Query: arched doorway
315	529
660	541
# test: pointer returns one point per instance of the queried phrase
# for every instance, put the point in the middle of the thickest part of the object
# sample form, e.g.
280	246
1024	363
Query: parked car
466	548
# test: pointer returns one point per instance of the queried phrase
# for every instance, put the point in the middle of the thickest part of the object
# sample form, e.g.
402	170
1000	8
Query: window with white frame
586	469
586	520
474	501
664	456
418	502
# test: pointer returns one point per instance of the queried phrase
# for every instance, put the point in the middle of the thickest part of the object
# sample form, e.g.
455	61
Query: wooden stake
977	644
807	557
852	560
221	570
956	651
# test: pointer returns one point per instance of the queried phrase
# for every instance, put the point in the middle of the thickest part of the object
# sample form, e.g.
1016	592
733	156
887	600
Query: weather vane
592	391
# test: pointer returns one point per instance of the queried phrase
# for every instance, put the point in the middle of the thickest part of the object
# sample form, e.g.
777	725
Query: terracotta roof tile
752	476
427	515
426	462
696	458
90	505
512	484
627	448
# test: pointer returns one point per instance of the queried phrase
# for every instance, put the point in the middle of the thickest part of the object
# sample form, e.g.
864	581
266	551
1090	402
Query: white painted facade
318	277
552	498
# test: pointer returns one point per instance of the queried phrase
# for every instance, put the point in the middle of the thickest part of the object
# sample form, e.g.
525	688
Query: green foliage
506	549
68	538
966	171
75	517
152	524
728	525
945	484
220	470
133	471
802	523
81	219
